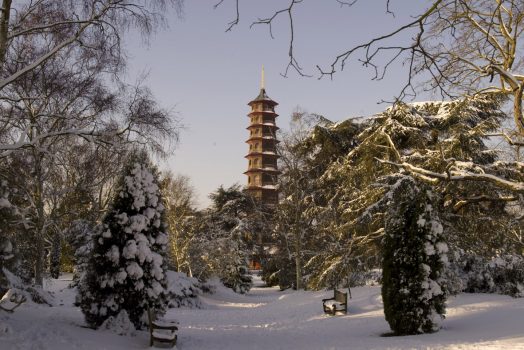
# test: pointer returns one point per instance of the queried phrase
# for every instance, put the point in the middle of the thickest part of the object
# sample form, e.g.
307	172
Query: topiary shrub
414	258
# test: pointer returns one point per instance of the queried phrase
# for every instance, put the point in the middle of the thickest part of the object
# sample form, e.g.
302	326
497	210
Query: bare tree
179	198
60	93
94	24
465	47
293	227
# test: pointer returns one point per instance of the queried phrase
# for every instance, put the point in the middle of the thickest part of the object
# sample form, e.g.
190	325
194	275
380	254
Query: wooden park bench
161	331
339	303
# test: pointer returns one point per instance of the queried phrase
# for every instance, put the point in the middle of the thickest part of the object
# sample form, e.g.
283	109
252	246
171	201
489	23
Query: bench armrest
324	300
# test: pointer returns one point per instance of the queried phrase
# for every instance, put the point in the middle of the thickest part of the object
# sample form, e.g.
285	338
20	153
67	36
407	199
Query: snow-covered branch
458	175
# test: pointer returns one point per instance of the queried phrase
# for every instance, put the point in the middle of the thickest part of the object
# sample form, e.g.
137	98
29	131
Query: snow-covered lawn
267	318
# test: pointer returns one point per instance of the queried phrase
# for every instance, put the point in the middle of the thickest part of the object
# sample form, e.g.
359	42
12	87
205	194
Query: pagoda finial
262	82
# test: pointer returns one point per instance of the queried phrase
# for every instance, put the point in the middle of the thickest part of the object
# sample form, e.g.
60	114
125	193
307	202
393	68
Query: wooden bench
161	331
339	303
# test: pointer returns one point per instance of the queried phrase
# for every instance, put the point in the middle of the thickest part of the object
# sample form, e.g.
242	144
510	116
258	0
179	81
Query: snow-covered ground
267	318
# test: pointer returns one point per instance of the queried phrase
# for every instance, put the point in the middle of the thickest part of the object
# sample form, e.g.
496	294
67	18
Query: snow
4	203
267	318
120	324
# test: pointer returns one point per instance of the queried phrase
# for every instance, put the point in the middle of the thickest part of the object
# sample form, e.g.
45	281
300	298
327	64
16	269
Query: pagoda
262	158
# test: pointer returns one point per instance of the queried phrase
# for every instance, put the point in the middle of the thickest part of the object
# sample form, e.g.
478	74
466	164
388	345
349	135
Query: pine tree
127	269
413	286
55	255
220	243
79	237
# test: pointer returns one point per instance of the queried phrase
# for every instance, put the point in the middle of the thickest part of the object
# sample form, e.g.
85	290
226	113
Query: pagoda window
267	179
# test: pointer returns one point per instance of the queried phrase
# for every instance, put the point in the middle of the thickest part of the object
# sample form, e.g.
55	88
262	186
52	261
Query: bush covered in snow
127	267
183	290
119	324
21	290
365	278
502	274
6	258
413	289
6	247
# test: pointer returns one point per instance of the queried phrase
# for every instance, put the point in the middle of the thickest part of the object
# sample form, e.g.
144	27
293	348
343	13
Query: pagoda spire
262	80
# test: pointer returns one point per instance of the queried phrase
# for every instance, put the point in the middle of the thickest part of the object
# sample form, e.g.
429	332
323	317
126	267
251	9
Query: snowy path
267	318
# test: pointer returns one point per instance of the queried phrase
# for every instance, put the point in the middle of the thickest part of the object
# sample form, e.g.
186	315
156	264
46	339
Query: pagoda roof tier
263	187
254	138
263	153
263	97
266	112
262	170
262	124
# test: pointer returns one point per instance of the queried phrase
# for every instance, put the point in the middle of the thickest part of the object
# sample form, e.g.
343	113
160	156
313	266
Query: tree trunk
40	219
298	260
517	109
4	27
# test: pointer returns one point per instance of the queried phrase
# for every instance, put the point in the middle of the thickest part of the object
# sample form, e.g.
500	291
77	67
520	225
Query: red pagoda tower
262	158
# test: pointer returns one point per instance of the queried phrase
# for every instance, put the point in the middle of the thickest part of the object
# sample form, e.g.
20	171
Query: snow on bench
339	303
161	331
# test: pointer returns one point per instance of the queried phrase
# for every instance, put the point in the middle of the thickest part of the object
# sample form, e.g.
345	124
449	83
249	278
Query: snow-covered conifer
415	255
234	272
54	257
127	269
79	237
220	245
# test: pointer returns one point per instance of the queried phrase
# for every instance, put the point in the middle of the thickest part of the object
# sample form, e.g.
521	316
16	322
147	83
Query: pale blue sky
208	76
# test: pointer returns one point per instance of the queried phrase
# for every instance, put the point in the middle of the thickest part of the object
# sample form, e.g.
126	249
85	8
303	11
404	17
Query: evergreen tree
347	172
230	223
220	245
79	238
413	287
127	269
55	255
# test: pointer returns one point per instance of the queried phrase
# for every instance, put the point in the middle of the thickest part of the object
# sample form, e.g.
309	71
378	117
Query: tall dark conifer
413	286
